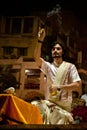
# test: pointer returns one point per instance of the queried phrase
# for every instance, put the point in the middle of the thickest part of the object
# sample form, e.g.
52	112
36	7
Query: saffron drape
19	110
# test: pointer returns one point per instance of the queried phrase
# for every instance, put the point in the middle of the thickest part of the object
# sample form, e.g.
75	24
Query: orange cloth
20	110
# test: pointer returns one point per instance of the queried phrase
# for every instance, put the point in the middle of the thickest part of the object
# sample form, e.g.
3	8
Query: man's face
57	51
81	102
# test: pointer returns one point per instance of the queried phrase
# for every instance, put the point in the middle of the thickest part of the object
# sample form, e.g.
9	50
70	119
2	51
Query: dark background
25	7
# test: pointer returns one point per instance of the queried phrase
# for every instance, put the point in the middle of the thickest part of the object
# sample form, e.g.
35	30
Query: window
28	25
7	50
7	25
32	79
22	51
17	25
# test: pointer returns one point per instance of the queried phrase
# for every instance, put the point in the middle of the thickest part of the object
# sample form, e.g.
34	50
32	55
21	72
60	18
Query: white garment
50	70
53	114
84	96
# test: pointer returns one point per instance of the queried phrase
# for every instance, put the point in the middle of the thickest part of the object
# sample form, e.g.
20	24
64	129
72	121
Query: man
62	79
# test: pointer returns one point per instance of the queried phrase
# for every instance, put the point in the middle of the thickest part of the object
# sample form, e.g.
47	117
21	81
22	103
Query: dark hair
52	45
76	93
57	42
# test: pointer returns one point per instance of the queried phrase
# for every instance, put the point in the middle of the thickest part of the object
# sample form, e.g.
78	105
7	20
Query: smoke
56	12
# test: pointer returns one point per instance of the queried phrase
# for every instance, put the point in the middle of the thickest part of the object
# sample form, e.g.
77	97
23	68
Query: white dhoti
53	114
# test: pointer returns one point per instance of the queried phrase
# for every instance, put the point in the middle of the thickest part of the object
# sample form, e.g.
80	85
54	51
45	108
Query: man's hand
41	34
53	89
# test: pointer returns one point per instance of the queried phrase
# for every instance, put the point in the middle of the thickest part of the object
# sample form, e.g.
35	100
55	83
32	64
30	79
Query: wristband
40	41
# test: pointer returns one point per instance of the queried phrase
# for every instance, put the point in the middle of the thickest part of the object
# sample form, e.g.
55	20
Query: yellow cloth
61	73
55	97
20	110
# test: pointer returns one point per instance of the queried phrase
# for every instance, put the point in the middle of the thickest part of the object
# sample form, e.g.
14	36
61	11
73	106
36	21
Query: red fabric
80	111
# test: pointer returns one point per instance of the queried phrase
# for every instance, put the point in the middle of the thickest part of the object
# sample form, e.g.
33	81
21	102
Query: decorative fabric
19	110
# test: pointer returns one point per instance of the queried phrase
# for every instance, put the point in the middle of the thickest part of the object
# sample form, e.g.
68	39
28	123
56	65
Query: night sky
25	7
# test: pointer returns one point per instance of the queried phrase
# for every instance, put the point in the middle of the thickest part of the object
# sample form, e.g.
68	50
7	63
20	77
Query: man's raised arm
37	53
